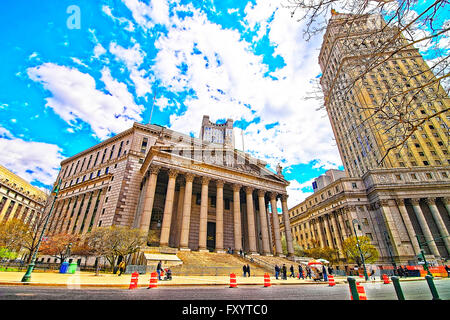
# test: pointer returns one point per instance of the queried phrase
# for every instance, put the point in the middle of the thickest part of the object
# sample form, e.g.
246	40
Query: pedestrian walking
330	270
248	270
308	272
284	272
244	270
121	267
240	252
158	269
372	274
447	268
300	272
324	273
277	271
292	275
400	271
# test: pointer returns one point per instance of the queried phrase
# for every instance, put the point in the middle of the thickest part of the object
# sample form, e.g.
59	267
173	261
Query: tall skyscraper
377	87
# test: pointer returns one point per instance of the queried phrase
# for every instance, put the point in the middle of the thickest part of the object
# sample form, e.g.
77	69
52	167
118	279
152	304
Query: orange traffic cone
233	283
361	291
331	282
153	280
134	280
266	280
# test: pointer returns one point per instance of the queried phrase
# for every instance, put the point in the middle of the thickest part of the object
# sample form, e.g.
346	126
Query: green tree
12	234
352	254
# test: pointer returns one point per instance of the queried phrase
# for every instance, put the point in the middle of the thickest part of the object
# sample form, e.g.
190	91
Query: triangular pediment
218	156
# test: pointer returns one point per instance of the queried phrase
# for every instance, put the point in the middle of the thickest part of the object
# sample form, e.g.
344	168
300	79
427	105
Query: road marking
25	294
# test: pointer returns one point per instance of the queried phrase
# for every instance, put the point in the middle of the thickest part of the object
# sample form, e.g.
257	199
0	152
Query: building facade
395	208
19	199
360	102
402	204
186	193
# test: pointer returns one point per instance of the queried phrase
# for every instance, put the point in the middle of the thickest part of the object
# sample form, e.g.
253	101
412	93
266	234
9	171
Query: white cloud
229	81
296	193
133	58
32	161
79	62
129	25
99	50
75	97
147	15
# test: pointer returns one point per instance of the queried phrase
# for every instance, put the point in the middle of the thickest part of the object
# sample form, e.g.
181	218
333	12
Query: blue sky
65	89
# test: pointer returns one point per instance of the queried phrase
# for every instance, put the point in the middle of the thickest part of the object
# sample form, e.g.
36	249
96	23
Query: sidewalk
89	279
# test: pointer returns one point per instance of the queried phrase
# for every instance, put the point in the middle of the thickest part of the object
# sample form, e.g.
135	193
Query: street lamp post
359	248
27	275
422	253
387	238
68	251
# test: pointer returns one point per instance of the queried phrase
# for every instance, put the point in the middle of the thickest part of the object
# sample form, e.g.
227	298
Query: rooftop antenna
151	112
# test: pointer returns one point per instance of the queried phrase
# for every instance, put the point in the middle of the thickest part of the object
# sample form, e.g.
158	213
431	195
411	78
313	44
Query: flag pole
151	112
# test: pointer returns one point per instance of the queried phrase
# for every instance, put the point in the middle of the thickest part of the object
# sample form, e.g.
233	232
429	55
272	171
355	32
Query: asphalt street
413	290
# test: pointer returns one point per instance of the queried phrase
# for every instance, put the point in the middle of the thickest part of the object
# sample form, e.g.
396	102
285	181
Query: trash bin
73	267
64	267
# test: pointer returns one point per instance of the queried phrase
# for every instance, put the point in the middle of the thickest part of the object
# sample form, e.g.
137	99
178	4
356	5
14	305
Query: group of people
246	270
305	273
402	272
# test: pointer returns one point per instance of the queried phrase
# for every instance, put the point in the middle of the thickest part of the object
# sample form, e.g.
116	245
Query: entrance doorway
211	236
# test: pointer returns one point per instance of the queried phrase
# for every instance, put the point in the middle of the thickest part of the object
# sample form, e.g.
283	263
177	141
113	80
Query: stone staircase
213	264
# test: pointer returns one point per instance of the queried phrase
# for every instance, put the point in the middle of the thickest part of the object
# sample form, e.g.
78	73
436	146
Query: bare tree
57	246
113	242
376	32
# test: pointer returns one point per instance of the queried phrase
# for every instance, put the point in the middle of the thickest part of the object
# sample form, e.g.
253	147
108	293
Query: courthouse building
19	199
404	203
186	193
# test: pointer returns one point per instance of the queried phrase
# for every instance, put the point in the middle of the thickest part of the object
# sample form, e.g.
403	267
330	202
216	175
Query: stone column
270	229
276	225
408	225
144	224
203	215
5	207
81	200
318	226
328	231
66	215
251	220
336	232
446	201
424	226
237	217
179	212
287	225
91	212
391	226
186	220
168	208
263	222
83	211
56	216
99	211
439	222
219	216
